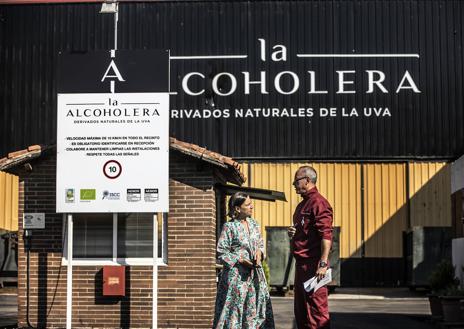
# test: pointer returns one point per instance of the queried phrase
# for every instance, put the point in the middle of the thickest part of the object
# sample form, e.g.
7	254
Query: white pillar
69	274
155	274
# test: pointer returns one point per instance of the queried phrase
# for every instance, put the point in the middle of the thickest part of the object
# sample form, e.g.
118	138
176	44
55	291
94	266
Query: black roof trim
255	193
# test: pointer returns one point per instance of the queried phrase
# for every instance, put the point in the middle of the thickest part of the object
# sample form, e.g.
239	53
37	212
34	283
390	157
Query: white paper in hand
313	285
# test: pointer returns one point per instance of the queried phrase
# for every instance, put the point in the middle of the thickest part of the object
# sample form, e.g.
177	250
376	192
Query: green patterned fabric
242	300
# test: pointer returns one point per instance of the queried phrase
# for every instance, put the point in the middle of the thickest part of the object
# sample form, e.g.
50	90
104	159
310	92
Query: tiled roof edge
34	151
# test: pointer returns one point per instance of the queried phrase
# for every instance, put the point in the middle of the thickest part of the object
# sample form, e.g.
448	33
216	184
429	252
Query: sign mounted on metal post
113	132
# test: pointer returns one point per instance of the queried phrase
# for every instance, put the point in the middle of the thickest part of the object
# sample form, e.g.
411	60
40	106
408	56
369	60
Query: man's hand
291	230
320	273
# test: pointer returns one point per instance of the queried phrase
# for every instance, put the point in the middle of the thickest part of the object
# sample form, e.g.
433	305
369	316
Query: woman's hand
259	257
245	262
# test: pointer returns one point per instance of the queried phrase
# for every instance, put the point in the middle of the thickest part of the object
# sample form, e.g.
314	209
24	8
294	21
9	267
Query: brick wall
186	287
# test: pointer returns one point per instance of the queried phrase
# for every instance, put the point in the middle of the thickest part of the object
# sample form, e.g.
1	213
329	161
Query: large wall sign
288	98
113	132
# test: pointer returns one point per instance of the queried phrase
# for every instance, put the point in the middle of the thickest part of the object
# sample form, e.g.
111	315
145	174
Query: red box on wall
114	281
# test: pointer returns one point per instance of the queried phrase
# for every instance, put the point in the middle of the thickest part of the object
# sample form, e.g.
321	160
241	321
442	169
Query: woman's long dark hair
236	200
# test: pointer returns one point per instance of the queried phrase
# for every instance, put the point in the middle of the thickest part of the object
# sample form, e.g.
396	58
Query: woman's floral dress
242	300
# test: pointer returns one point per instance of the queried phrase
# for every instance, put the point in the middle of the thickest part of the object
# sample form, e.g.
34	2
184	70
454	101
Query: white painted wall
458	259
457	175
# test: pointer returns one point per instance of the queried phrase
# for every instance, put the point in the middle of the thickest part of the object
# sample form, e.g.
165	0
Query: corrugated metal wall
9	194
380	218
385	210
430	194
32	35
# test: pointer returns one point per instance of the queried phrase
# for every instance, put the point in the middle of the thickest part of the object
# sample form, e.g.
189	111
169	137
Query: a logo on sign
88	194
112	72
69	195
267	83
134	194
151	195
107	195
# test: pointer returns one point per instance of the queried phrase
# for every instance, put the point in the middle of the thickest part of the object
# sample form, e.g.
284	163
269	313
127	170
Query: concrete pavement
362	314
365	308
349	308
8	310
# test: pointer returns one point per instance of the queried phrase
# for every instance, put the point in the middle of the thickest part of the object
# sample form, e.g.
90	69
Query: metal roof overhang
255	193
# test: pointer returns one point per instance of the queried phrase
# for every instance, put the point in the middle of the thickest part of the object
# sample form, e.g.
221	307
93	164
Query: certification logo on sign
113	132
134	195
151	195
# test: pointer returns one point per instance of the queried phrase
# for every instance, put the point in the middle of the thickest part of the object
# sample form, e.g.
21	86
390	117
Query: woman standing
242	300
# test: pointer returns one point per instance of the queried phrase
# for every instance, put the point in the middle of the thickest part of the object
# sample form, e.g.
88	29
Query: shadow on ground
370	321
379	321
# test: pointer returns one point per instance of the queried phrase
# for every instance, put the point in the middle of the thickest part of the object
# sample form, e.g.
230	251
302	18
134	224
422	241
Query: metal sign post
69	273
155	274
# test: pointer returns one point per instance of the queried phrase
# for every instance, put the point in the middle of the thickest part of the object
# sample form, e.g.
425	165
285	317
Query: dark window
93	235
135	236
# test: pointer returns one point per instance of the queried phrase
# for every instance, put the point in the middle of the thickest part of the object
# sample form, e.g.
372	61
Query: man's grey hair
309	172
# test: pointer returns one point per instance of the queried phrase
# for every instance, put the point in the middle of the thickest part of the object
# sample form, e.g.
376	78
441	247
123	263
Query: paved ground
363	314
8	310
349	308
366	309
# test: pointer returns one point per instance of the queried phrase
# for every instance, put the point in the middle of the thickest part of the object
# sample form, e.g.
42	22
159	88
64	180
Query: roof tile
34	148
16	154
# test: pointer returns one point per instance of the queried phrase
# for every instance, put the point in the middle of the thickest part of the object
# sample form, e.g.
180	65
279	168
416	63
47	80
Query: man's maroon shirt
313	222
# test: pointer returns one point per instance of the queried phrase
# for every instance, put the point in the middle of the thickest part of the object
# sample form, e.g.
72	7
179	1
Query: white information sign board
112	152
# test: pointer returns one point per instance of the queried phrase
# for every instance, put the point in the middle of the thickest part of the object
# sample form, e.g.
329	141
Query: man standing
311	239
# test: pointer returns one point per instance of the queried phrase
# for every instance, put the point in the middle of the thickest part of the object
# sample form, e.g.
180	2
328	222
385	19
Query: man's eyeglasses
298	179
